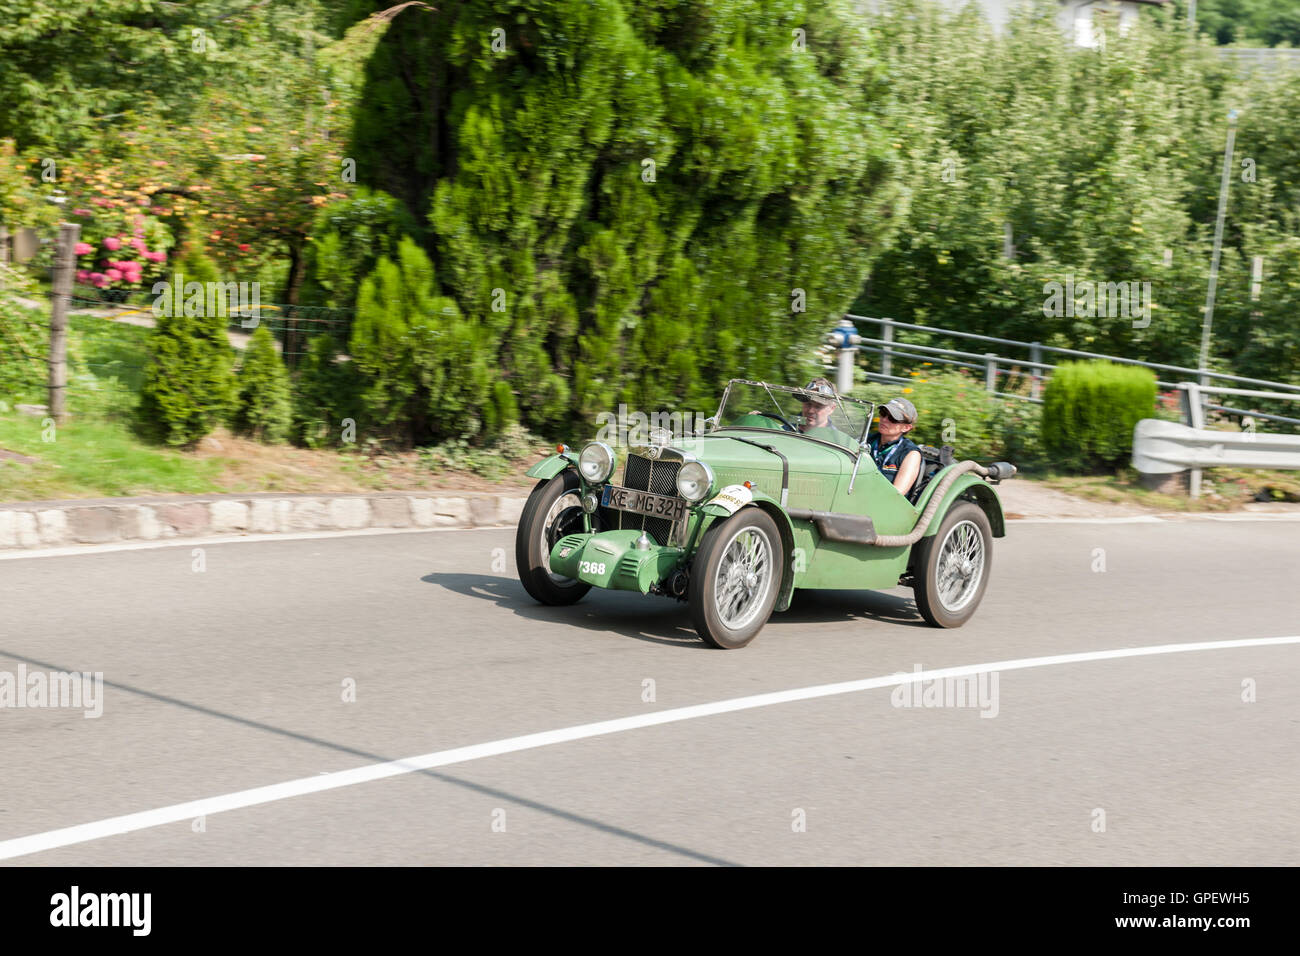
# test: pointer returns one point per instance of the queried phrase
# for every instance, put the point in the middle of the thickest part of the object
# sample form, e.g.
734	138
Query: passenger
897	456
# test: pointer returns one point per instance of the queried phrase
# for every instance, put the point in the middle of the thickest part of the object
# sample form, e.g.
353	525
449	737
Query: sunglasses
886	417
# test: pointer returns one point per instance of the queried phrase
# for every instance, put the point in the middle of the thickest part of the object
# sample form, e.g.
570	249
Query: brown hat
820	391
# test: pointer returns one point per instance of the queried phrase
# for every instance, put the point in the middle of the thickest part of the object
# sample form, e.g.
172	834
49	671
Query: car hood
814	468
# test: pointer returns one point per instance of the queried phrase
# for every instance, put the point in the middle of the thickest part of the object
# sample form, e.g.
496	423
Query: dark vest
888	459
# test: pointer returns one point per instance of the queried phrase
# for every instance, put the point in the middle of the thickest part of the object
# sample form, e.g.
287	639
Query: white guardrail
1164	448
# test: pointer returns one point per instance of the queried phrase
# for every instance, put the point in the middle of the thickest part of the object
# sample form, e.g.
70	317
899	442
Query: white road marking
85	832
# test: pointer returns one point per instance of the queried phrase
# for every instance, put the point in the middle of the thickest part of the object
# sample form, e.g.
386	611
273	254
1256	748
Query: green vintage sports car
734	518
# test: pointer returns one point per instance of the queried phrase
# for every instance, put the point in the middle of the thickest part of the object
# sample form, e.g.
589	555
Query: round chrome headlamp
596	462
695	481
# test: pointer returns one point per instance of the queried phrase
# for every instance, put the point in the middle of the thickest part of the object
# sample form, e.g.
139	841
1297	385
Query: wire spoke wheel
735	578
744	577
951	568
961	566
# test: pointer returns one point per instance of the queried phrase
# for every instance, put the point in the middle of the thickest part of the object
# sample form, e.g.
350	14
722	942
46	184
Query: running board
836	526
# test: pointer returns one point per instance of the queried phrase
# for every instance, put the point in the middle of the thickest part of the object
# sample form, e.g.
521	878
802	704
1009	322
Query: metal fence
1030	362
292	326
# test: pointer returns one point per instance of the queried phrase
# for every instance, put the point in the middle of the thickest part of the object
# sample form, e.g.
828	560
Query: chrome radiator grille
657	477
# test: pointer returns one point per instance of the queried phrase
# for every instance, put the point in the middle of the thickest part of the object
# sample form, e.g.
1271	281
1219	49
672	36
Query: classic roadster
735	518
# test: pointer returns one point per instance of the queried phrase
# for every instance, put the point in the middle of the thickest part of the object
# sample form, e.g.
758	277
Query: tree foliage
632	202
1029	161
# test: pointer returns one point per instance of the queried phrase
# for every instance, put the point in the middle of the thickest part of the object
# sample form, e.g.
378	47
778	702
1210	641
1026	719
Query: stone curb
46	524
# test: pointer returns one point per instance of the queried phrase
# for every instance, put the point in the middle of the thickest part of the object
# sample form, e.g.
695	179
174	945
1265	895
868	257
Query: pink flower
112	243
83	248
156	256
128	265
243	247
114	274
83	275
98	280
101	201
81	212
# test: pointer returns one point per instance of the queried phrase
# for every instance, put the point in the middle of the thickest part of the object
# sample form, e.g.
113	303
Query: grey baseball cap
901	410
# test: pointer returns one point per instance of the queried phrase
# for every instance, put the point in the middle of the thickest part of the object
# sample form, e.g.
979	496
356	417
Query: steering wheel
788	426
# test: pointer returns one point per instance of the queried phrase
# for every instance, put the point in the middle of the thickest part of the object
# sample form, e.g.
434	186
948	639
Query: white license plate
643	503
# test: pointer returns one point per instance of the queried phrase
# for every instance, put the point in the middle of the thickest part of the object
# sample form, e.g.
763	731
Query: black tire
935	599
709	563
534	540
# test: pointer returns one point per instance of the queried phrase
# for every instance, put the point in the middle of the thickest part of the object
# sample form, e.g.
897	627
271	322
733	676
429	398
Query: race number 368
591	567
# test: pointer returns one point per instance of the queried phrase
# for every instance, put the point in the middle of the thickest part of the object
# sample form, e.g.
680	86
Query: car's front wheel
735	578
952	567
553	510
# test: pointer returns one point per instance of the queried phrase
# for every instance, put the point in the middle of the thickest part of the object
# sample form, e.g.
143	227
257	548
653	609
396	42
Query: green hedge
1089	411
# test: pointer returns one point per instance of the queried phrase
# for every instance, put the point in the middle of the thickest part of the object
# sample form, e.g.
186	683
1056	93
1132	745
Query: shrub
348	238
263	408
24	339
954	409
188	386
325	395
1089	411
426	367
494	460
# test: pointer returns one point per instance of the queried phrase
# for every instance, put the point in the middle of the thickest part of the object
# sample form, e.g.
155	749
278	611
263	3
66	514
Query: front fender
552	466
969	486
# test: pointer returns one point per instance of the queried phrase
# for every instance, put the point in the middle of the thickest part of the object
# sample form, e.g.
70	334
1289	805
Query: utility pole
1218	245
65	261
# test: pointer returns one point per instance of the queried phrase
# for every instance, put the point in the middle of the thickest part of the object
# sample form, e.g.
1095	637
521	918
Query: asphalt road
234	677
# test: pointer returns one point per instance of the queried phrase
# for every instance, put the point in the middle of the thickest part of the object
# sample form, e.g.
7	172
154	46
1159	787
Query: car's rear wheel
735	578
553	510
952	567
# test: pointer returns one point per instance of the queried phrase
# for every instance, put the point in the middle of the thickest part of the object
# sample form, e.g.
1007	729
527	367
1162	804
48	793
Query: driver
819	401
